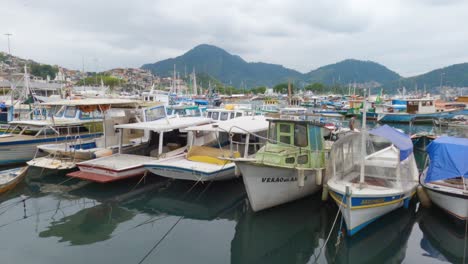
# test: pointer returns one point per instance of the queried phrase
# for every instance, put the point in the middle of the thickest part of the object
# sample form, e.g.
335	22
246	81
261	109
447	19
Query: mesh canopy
383	167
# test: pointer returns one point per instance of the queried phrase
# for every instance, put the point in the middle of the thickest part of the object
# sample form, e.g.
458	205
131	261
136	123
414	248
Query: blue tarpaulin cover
400	140
448	158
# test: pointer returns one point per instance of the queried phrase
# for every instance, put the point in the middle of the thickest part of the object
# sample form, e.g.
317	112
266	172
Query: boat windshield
300	135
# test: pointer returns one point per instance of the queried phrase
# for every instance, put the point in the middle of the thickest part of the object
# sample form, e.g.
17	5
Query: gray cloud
409	37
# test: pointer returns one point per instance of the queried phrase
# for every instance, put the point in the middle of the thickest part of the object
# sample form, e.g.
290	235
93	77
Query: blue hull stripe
361	226
409	117
44	140
184	169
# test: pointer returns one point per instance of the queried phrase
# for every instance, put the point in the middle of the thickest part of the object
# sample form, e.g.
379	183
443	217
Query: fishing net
383	167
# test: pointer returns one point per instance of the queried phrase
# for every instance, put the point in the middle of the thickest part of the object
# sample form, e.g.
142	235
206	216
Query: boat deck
118	162
181	162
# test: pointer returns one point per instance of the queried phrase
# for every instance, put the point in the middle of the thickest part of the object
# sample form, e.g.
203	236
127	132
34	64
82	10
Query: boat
445	180
288	167
169	142
368	177
203	162
64	122
404	111
64	156
227	113
11	177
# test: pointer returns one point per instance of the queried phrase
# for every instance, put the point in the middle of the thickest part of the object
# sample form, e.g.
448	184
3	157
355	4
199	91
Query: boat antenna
363	137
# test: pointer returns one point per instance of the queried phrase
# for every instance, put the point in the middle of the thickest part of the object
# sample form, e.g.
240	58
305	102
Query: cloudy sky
408	36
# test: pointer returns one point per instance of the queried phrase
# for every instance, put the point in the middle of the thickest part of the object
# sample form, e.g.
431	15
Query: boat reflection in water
384	241
89	225
444	238
285	234
202	202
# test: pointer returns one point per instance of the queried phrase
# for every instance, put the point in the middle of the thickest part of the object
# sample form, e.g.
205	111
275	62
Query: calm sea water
162	221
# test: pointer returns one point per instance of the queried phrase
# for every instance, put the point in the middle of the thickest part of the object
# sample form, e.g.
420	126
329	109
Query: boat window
209	114
285	128
59	112
285	135
272	132
224	116
300	135
285	139
215	115
232	116
238	114
70	111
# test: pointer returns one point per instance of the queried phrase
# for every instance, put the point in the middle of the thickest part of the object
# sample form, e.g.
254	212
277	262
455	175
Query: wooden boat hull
180	168
11	178
269	186
104	175
178	173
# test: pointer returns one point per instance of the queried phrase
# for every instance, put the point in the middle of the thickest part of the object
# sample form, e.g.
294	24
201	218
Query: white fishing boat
20	140
169	142
64	156
445	180
288	167
369	178
212	163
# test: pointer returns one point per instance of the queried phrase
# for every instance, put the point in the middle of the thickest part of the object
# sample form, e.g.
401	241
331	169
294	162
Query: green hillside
350	71
225	67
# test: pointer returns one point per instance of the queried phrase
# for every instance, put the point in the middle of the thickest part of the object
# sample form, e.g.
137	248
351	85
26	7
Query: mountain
227	68
350	71
454	75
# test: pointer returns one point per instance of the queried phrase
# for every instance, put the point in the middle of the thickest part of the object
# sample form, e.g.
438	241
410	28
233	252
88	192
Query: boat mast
363	137
195	90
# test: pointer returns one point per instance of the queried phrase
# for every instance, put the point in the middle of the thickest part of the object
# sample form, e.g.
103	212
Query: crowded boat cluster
284	147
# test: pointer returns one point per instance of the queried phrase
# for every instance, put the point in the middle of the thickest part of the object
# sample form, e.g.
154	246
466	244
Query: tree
259	90
43	70
282	88
106	79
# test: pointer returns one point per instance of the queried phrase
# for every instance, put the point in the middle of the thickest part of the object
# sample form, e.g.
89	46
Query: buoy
423	197
300	178
237	171
318	177
325	192
103	153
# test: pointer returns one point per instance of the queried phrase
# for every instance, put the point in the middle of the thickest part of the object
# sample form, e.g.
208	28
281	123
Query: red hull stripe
99	177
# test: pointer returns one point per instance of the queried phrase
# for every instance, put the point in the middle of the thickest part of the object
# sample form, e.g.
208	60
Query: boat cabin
294	143
184	110
226	114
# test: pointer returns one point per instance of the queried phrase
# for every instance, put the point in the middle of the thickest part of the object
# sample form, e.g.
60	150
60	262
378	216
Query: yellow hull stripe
337	200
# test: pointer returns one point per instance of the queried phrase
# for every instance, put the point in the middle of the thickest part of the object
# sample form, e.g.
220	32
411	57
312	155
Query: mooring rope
466	236
331	230
172	227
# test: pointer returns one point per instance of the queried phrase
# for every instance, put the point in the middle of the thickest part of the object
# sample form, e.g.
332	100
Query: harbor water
55	219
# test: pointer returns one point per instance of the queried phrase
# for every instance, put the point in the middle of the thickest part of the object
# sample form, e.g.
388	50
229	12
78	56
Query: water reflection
444	238
203	201
384	241
89	225
284	234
